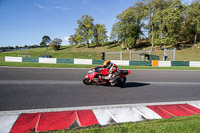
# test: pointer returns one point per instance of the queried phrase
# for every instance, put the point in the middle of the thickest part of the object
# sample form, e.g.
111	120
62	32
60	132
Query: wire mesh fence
169	55
127	55
113	55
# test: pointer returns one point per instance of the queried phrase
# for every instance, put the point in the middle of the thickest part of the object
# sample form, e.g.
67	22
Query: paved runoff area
23	121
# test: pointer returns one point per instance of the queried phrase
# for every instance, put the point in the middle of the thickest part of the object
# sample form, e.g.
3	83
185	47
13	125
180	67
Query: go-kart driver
114	72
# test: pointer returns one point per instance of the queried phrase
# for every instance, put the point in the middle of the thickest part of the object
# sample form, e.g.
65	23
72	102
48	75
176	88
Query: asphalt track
39	88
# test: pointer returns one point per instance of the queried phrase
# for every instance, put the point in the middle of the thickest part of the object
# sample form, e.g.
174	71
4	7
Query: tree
100	34
85	28
79	36
72	40
191	26
43	44
153	7
165	21
55	44
128	27
45	41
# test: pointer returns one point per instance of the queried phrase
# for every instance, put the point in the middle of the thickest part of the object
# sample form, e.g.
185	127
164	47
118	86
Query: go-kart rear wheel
86	81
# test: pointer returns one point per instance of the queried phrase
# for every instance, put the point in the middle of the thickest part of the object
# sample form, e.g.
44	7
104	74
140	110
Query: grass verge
187	124
24	64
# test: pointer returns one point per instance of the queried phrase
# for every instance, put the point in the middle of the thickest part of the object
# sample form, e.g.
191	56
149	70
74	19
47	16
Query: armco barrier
33	60
13	59
194	64
83	61
140	63
120	63
179	63
47	60
68	61
164	63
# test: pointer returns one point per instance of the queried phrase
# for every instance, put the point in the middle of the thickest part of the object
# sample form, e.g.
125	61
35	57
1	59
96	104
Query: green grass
24	64
65	52
187	124
186	54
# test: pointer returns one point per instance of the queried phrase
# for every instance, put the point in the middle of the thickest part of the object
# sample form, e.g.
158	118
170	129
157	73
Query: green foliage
85	29
43	44
55	44
191	26
45	41
72	40
100	36
127	29
165	21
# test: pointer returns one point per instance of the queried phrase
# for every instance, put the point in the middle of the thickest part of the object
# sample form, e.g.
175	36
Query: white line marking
168	83
39	67
39	82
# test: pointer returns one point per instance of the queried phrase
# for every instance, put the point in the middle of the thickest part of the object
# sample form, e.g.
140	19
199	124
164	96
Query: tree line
160	22
55	44
86	31
167	22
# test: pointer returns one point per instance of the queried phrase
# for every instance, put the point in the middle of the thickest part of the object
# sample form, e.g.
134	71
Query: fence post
174	54
130	55
120	55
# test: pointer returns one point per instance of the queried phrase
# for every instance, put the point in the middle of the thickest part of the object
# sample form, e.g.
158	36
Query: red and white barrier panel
46	121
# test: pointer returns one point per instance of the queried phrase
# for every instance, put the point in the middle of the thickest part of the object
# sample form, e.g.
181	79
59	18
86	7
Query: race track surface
38	88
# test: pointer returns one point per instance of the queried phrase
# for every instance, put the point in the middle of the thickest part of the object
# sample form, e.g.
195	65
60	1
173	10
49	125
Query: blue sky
25	22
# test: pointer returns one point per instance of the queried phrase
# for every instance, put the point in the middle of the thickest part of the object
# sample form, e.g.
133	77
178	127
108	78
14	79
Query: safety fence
100	62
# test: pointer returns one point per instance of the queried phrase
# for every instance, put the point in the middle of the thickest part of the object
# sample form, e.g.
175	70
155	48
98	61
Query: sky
25	22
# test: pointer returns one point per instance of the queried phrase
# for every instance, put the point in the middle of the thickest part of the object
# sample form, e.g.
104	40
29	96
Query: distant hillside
182	54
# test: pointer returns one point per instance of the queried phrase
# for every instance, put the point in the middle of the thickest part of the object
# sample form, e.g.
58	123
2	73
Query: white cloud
66	41
61	8
52	10
66	38
46	9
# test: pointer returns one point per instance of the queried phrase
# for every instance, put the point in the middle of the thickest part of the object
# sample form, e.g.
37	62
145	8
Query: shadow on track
134	84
